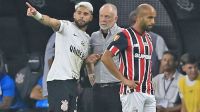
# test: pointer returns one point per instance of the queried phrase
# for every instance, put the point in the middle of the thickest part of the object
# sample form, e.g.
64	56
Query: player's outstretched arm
44	19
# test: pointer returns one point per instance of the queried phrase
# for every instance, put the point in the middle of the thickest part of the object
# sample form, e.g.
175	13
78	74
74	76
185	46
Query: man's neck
169	74
138	29
83	28
104	31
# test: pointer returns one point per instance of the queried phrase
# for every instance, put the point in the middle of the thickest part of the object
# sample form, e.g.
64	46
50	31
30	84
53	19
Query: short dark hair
132	17
188	59
173	54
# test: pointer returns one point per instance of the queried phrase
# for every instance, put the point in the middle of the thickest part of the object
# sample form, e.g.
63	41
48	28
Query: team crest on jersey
64	105
116	37
82	43
19	78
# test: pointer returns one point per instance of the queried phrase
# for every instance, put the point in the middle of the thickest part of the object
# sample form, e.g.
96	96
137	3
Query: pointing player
71	48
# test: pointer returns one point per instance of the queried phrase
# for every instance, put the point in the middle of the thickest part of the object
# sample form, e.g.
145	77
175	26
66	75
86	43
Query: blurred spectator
7	91
165	84
160	47
189	85
179	68
27	78
7	86
9	101
41	104
48	59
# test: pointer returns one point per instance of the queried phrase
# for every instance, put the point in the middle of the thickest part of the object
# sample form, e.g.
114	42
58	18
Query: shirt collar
174	76
143	33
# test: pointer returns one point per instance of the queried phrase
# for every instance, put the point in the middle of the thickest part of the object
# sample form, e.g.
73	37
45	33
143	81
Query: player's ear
116	18
74	14
183	68
91	18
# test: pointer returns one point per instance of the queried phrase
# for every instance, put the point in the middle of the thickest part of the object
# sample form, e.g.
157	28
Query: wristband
92	74
37	16
91	78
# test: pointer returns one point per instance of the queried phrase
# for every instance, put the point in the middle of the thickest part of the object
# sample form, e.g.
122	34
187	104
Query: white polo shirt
49	53
166	90
71	48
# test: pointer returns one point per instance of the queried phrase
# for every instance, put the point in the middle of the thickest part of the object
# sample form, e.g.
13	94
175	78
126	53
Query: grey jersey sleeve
161	47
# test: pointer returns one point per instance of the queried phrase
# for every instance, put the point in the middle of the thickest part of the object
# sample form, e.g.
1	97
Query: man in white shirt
166	84
48	60
71	48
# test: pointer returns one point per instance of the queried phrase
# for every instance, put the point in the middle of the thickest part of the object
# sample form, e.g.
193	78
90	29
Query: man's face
82	17
168	63
191	70
107	18
148	20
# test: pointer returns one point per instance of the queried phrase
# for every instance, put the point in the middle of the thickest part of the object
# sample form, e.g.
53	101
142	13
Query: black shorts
62	95
106	97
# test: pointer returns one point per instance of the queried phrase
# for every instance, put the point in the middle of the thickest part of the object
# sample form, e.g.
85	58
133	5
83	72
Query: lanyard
166	90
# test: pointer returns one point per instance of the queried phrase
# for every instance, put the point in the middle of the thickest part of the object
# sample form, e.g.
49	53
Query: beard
81	23
104	27
168	67
147	28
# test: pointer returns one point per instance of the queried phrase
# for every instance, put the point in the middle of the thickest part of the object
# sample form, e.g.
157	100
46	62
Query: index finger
29	5
137	82
98	55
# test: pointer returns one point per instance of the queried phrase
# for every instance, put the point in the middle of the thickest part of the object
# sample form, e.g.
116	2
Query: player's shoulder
158	77
155	35
87	36
120	37
95	34
123	32
66	22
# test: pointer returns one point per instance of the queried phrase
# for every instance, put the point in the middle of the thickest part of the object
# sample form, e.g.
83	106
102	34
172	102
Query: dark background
178	22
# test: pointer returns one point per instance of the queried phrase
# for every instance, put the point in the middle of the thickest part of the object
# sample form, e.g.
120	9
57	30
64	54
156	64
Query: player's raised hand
31	11
44	19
